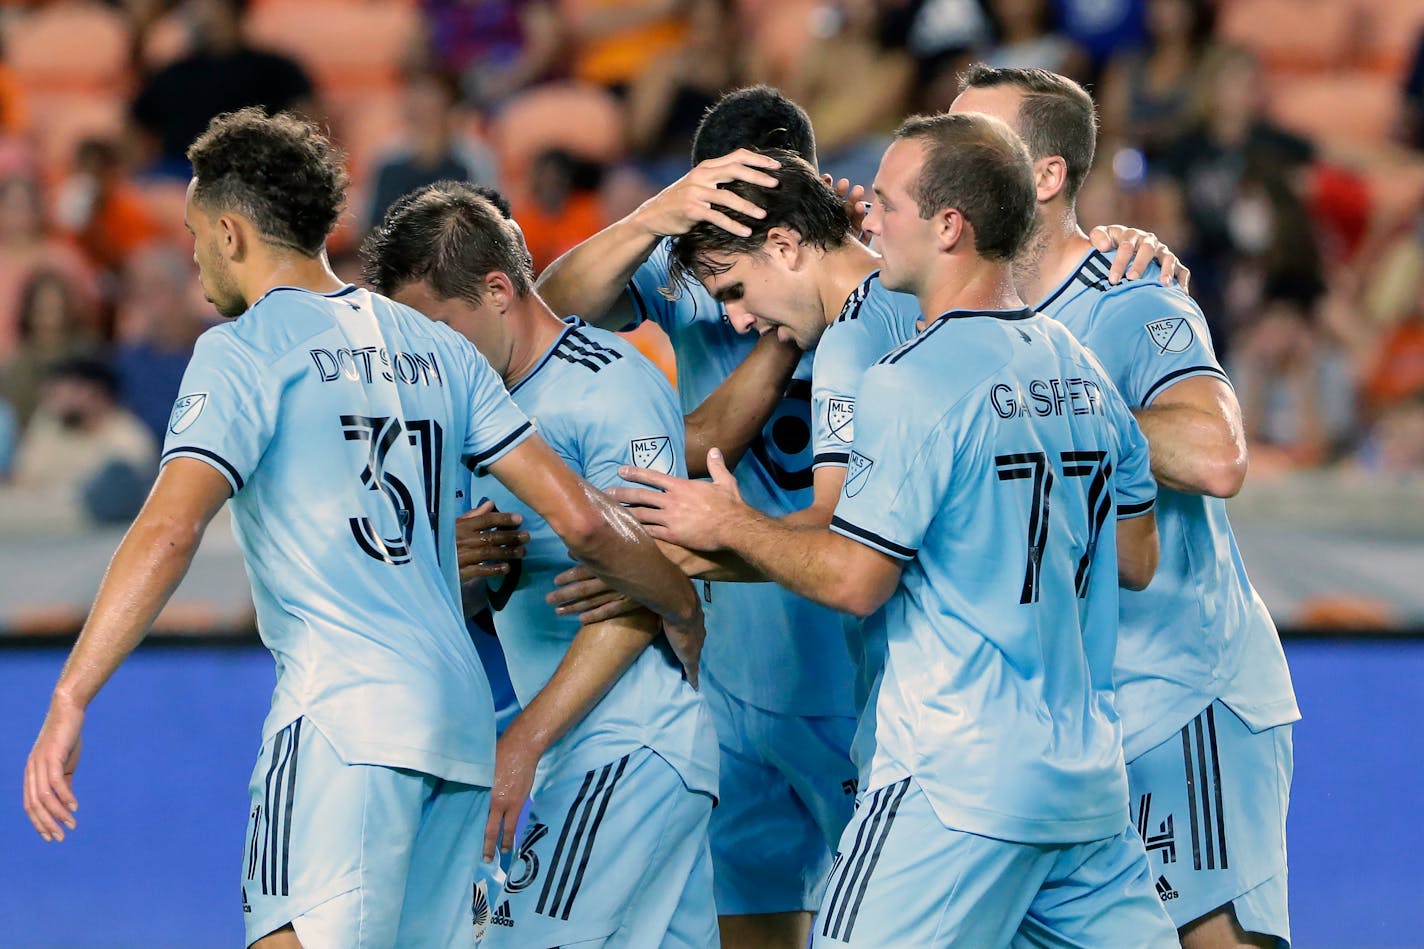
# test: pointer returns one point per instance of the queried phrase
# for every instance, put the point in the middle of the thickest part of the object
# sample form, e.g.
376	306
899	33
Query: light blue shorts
357	855
616	856
1210	804
902	879
787	791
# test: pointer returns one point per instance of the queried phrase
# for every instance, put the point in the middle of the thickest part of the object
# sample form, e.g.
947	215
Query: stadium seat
68	45
352	45
1359	107
583	120
1292	35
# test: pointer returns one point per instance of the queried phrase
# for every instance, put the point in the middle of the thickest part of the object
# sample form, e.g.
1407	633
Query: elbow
1225	474
860	600
585	532
1136	568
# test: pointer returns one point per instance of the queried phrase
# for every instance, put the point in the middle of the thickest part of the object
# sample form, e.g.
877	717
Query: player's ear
1050	177
233	238
785	245
499	290
950	227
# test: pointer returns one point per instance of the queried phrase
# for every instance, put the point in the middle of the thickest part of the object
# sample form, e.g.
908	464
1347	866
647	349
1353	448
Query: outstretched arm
151	560
588	280
597	658
733	414
607	539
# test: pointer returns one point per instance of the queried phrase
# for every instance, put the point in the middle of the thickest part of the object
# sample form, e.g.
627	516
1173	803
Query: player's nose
741	320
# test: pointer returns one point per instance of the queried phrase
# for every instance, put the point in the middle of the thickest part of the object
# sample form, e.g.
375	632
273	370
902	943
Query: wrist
66	701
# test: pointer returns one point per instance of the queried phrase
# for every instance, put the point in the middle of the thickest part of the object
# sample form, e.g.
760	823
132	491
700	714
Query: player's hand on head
516	756
578	591
696	196
856	207
691	514
1136	249
49	793
486	539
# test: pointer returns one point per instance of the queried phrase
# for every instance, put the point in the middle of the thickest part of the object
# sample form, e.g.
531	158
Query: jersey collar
1021	314
573	323
1092	269
349	288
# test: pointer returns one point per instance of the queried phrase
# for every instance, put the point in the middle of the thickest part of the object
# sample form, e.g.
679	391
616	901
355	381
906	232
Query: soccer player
777	673
1203	688
336	420
639	753
974	533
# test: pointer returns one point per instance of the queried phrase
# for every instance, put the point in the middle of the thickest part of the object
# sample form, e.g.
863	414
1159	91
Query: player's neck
283	269
843	269
971	284
535	329
1053	252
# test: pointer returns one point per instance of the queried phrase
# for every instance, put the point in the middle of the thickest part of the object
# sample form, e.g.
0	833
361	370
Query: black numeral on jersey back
1034	466
381	434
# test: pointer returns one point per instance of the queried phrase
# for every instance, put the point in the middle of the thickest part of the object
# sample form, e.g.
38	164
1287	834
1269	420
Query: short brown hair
978	166
1056	117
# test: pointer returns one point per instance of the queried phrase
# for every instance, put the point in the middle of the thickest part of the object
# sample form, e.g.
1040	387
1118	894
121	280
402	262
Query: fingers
747	159
717	467
574	575
567	598
483	571
491	539
41	803
653	479
493	827
1148	249
1106	238
606	607
1184	277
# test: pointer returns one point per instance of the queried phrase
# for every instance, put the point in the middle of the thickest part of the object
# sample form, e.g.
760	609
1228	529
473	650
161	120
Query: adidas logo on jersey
502	916
1165	891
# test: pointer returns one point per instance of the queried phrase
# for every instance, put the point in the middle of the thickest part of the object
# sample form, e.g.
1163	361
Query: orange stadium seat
583	120
1392	31
60	120
1295	35
1352	106
351	45
67	45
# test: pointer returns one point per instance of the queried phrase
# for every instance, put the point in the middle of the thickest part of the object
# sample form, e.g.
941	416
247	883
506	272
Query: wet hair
451	236
978	166
799	202
1056	116
278	171
757	117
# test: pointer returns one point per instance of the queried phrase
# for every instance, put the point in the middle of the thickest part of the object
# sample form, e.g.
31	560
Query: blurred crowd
1272	143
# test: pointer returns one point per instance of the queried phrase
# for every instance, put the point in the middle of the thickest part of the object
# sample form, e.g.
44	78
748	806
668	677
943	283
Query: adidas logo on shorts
502	916
1165	891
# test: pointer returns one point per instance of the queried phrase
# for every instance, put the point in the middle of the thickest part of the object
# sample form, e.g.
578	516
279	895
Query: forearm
734	413
148	566
598	656
1194	451
722	566
587	280
629	561
797	556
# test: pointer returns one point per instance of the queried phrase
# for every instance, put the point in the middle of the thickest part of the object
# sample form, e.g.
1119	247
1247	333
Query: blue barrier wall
170	743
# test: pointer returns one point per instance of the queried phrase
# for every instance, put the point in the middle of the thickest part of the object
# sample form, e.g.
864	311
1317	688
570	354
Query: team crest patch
840	418
1173	335
186	411
653	453
858	473
480	910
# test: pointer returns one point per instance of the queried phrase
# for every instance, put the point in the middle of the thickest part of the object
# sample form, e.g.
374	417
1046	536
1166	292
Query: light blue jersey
599	404
341	421
1198	632
872	322
990	455
766	646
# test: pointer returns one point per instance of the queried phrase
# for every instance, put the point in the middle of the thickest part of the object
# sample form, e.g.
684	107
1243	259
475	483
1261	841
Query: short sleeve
226	411
649	289
1149	338
842	359
496	425
1134	487
898	469
638	423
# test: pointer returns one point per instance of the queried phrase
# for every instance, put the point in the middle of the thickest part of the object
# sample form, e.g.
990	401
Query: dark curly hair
450	234
800	202
279	171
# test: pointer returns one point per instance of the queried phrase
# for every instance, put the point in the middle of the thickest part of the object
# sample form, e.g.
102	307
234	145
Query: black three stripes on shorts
272	819
850	877
576	839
